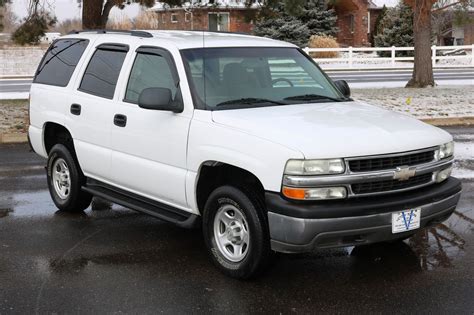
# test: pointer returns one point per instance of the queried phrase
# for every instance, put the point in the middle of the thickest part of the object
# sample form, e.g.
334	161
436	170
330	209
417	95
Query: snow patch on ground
437	102
463	173
402	84
464	151
14	95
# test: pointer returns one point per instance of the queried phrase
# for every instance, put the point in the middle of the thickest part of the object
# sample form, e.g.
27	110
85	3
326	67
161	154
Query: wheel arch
54	133
212	174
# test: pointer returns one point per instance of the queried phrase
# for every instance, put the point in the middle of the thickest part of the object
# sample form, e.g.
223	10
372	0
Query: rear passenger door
90	116
149	150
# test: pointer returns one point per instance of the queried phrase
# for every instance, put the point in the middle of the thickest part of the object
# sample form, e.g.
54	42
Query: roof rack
125	32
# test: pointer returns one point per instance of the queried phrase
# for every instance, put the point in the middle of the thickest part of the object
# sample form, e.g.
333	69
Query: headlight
315	167
322	193
446	150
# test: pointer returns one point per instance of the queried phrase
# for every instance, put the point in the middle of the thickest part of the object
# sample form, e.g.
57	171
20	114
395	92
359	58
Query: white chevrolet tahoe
243	136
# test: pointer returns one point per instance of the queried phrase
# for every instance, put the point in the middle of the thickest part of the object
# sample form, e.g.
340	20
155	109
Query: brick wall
352	21
16	60
178	20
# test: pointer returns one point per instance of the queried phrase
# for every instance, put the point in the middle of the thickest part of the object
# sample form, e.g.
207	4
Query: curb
16	77
6	138
450	121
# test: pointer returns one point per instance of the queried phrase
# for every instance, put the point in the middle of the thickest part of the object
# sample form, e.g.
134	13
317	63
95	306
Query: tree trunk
106	12
92	14
422	69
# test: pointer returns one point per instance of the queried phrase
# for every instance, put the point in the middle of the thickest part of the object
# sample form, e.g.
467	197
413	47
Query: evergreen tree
318	18
396	30
377	27
296	21
285	28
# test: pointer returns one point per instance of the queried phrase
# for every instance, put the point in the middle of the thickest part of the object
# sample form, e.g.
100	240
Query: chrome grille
390	162
390	185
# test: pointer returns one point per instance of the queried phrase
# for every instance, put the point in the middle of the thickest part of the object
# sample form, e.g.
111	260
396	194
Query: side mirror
343	87
159	99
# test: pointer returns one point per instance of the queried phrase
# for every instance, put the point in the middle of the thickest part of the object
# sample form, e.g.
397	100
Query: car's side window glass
149	71
60	61
101	75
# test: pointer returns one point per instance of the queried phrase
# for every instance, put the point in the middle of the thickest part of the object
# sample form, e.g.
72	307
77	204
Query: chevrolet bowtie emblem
404	173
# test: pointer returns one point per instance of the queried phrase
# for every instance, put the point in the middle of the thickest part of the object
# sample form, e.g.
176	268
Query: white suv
244	136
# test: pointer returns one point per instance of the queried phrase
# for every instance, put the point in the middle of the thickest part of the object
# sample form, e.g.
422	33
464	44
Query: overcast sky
67	9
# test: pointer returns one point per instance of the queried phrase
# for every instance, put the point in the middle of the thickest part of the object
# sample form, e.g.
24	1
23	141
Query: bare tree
95	13
423	70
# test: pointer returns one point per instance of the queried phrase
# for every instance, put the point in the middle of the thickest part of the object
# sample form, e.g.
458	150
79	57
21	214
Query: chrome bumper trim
348	179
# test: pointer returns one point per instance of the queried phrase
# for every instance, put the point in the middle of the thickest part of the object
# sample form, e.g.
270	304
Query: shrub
33	28
322	41
395	29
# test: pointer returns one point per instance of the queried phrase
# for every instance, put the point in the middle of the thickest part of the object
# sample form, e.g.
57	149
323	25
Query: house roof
205	4
372	5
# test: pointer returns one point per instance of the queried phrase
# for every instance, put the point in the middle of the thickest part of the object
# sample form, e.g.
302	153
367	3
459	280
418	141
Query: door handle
76	109
120	120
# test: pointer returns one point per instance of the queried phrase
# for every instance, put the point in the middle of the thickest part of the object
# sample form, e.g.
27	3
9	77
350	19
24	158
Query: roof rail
125	32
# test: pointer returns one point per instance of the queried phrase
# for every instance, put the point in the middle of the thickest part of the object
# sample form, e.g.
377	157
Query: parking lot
113	261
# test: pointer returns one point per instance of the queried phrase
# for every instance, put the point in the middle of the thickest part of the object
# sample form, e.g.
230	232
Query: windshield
243	77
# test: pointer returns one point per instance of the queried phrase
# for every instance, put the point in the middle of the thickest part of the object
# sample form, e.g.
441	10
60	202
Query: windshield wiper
312	97
249	101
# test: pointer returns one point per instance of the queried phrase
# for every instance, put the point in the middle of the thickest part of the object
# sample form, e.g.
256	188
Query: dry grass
318	41
146	21
68	25
13	116
120	23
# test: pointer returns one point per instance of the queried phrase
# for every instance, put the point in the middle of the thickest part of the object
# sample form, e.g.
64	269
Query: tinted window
59	63
102	73
149	71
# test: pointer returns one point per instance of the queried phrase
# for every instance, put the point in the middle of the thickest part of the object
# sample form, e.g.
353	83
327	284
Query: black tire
258	253
76	200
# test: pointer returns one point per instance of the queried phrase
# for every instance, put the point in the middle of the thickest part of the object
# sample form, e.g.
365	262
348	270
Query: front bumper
305	226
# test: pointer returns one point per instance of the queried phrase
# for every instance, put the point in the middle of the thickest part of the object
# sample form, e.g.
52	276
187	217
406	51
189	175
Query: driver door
149	150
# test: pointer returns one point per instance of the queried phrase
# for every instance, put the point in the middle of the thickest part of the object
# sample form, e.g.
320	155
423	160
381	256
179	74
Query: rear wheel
65	180
236	233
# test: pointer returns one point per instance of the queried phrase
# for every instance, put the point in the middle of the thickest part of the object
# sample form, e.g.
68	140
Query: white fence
359	58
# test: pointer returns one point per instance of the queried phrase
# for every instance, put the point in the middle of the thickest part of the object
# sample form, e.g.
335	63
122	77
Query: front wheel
65	180
236	233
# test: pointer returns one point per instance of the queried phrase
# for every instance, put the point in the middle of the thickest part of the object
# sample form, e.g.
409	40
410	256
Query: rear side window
60	60
103	70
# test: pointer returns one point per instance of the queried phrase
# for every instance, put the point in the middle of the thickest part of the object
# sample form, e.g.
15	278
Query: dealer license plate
406	220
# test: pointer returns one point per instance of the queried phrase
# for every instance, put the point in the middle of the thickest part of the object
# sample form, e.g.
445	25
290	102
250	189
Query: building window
352	23
187	17
174	18
219	22
163	17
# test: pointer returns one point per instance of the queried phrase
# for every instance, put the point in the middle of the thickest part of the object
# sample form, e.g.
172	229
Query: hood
334	130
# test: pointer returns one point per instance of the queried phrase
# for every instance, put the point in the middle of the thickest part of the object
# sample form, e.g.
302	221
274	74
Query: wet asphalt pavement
120	261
